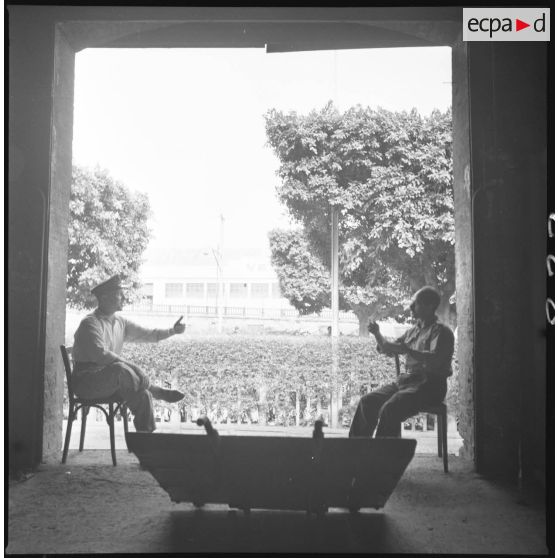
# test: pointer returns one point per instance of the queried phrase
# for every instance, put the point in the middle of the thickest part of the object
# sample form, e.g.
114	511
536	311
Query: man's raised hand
373	328
179	327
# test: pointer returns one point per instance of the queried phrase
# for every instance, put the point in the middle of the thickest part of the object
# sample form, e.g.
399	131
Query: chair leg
110	420
440	428
84	413
445	440
71	417
124	412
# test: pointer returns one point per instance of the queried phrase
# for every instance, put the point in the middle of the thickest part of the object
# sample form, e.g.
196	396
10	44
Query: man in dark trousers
428	347
99	370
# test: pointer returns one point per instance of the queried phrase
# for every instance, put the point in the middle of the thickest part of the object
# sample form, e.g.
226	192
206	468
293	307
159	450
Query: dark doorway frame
279	30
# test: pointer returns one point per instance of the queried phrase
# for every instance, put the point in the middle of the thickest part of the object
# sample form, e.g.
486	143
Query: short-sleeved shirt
99	339
436	338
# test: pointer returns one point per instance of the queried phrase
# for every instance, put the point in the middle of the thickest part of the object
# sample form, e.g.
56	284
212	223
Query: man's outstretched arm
385	346
139	334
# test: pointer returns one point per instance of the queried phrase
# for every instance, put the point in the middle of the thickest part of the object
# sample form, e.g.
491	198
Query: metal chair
113	403
441	412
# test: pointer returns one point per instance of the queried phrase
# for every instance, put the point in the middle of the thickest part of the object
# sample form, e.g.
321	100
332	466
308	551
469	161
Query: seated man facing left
99	370
428	347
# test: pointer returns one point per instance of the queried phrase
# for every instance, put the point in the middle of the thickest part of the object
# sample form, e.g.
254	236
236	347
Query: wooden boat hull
248	472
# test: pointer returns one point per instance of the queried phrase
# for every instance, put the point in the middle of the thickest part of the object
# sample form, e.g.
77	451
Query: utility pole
334	272
220	283
335	391
335	403
218	298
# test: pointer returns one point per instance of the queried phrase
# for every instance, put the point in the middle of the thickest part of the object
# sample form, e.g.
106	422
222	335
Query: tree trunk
297	408
308	408
262	405
333	408
363	313
238	406
276	409
362	326
318	408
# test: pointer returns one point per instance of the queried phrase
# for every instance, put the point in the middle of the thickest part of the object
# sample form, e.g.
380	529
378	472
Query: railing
237	312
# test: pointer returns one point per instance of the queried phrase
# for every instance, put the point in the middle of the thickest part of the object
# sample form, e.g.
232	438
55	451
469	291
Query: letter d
540	20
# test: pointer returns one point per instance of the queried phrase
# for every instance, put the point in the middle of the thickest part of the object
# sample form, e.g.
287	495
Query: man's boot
168	395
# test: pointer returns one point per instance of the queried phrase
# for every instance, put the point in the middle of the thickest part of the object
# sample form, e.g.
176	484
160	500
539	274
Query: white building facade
242	284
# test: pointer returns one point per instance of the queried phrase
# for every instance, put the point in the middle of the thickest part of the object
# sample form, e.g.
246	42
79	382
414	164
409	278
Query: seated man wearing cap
100	371
428	347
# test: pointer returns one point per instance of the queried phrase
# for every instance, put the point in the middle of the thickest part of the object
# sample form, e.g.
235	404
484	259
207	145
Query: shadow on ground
275	531
90	506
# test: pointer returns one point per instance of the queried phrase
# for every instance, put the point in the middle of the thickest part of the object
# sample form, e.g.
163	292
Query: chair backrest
66	352
397	365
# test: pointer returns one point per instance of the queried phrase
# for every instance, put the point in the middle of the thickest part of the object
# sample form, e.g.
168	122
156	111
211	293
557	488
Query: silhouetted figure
100	371
428	347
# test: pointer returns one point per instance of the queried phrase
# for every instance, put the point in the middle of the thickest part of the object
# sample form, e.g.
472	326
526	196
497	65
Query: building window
173	290
259	290
275	290
147	293
147	290
194	290
239	290
212	290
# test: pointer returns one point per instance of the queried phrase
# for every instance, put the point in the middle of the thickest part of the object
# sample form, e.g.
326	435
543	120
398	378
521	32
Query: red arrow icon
519	25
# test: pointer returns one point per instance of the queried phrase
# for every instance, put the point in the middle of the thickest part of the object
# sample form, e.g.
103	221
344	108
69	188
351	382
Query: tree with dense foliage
389	174
304	279
108	234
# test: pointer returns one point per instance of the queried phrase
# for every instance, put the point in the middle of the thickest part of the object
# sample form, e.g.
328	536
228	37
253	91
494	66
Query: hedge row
240	373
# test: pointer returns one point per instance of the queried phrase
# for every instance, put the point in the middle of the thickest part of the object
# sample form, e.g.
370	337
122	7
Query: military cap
110	285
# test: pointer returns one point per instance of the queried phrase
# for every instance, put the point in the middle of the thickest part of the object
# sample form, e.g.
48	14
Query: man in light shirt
99	370
428	347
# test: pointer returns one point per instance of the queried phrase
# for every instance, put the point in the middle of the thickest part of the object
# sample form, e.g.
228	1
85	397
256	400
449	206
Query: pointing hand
178	326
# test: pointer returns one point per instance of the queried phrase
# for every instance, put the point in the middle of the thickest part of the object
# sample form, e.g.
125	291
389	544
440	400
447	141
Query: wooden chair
441	413
108	405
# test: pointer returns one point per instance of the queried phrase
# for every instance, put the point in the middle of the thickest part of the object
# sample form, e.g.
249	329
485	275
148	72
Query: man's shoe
172	395
168	395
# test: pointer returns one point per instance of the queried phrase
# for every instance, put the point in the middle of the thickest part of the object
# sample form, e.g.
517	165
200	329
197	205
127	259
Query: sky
186	127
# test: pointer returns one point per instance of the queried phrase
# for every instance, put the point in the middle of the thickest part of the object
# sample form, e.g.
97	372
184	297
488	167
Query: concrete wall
31	66
463	246
40	126
508	139
61	179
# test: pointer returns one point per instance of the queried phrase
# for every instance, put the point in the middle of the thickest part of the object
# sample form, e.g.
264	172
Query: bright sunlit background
186	126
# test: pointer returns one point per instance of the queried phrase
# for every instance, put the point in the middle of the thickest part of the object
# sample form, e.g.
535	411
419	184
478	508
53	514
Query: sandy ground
89	506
